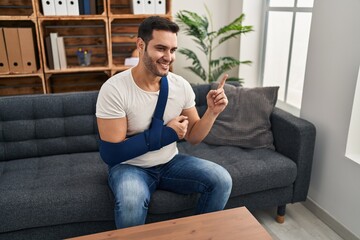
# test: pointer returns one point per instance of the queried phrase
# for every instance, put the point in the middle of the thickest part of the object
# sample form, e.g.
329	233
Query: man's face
160	52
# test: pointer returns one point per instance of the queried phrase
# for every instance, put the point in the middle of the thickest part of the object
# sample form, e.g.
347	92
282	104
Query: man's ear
140	44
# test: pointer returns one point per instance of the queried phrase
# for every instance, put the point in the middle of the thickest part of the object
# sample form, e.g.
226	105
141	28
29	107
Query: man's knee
130	190
222	179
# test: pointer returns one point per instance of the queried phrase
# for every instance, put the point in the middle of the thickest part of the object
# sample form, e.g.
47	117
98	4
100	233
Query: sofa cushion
54	190
44	125
245	122
252	170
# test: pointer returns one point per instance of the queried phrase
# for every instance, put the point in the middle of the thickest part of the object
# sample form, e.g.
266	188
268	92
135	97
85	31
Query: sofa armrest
294	137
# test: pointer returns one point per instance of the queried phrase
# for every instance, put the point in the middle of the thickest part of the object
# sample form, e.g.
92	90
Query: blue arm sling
156	137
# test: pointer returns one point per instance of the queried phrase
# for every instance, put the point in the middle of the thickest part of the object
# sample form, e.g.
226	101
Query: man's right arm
112	130
114	149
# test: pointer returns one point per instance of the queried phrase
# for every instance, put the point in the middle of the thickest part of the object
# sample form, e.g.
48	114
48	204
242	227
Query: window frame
267	9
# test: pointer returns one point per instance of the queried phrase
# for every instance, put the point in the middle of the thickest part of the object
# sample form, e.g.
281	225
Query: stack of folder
68	7
55	50
17	52
148	6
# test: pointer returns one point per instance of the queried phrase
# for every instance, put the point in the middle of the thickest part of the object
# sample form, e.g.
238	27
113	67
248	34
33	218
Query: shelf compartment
16	8
26	24
99	6
117	7
123	39
75	82
21	84
123	9
85	34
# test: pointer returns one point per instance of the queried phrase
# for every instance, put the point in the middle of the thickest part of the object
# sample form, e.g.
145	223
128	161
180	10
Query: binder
62	53
149	6
60	7
48	7
138	6
72	7
4	66
54	50
49	56
81	7
160	6
27	49
12	49
87	7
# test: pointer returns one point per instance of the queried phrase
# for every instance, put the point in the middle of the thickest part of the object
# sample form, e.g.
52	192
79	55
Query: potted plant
207	41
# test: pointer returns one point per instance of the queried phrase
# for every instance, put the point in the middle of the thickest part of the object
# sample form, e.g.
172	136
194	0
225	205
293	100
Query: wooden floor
299	224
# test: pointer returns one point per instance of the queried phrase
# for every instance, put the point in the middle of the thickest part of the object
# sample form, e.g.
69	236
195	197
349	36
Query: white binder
160	6
48	7
60	7
62	53
149	6
72	7
54	49
138	6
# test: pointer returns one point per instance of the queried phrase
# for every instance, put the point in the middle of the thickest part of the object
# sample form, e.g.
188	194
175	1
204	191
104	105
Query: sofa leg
280	218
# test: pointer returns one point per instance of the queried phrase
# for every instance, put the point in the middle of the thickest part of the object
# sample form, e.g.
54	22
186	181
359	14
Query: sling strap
156	137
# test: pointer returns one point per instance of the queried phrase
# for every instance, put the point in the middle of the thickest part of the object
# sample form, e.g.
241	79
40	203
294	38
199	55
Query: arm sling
156	137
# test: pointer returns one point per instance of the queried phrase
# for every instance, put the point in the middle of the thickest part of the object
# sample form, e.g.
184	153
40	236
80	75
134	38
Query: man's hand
216	99
180	125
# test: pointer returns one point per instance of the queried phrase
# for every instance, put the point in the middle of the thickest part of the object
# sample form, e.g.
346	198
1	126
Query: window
287	30
352	145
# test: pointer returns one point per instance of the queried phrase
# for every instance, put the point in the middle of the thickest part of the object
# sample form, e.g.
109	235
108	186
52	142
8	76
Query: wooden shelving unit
17	14
110	35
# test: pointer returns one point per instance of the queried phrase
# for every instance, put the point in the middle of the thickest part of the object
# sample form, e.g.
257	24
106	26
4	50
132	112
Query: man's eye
173	50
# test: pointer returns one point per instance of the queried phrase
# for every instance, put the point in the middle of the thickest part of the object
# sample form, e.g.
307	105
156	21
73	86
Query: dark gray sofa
53	183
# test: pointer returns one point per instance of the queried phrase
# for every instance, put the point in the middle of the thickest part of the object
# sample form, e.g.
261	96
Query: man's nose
167	55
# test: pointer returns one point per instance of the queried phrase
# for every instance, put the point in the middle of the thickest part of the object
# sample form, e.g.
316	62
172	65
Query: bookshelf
110	34
21	14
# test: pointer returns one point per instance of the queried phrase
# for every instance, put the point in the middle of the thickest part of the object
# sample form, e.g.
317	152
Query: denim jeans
132	186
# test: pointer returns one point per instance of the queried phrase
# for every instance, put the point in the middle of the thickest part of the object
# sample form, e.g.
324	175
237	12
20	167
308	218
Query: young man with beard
125	108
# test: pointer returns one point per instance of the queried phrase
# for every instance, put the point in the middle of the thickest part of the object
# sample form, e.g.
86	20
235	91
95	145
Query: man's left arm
199	128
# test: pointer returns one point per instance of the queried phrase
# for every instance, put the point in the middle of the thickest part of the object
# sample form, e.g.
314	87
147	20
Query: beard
158	67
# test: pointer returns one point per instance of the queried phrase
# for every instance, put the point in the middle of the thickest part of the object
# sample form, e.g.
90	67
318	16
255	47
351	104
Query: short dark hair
152	23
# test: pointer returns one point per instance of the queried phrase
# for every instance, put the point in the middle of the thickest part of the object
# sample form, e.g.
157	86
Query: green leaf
193	24
234	25
196	64
222	65
242	30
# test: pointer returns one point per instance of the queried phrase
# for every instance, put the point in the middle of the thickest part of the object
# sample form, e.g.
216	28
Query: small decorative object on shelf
84	57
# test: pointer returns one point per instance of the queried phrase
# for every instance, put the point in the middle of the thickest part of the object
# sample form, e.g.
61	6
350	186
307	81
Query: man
124	111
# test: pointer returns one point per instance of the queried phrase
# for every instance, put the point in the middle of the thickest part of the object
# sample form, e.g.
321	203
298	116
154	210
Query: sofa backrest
43	125
200	92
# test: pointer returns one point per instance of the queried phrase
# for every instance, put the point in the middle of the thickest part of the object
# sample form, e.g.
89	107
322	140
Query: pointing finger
223	80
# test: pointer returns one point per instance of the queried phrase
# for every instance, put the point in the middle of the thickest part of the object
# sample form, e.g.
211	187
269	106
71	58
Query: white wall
331	73
251	43
223	11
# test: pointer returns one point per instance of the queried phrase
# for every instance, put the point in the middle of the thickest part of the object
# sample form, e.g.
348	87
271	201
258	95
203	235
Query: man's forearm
139	144
201	128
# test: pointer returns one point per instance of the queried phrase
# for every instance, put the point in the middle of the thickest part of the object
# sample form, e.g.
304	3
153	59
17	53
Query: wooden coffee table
231	224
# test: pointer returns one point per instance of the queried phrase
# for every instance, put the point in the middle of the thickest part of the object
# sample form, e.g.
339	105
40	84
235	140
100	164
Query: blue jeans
132	186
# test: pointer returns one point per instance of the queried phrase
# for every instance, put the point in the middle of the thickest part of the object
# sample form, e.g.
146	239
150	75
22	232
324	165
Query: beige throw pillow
245	122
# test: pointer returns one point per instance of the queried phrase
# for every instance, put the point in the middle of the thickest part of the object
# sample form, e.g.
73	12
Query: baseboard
329	220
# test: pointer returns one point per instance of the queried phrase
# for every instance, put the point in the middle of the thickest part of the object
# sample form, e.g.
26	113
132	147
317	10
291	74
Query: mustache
163	61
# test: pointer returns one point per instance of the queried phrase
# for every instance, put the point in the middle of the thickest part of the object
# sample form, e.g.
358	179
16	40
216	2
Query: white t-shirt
120	97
